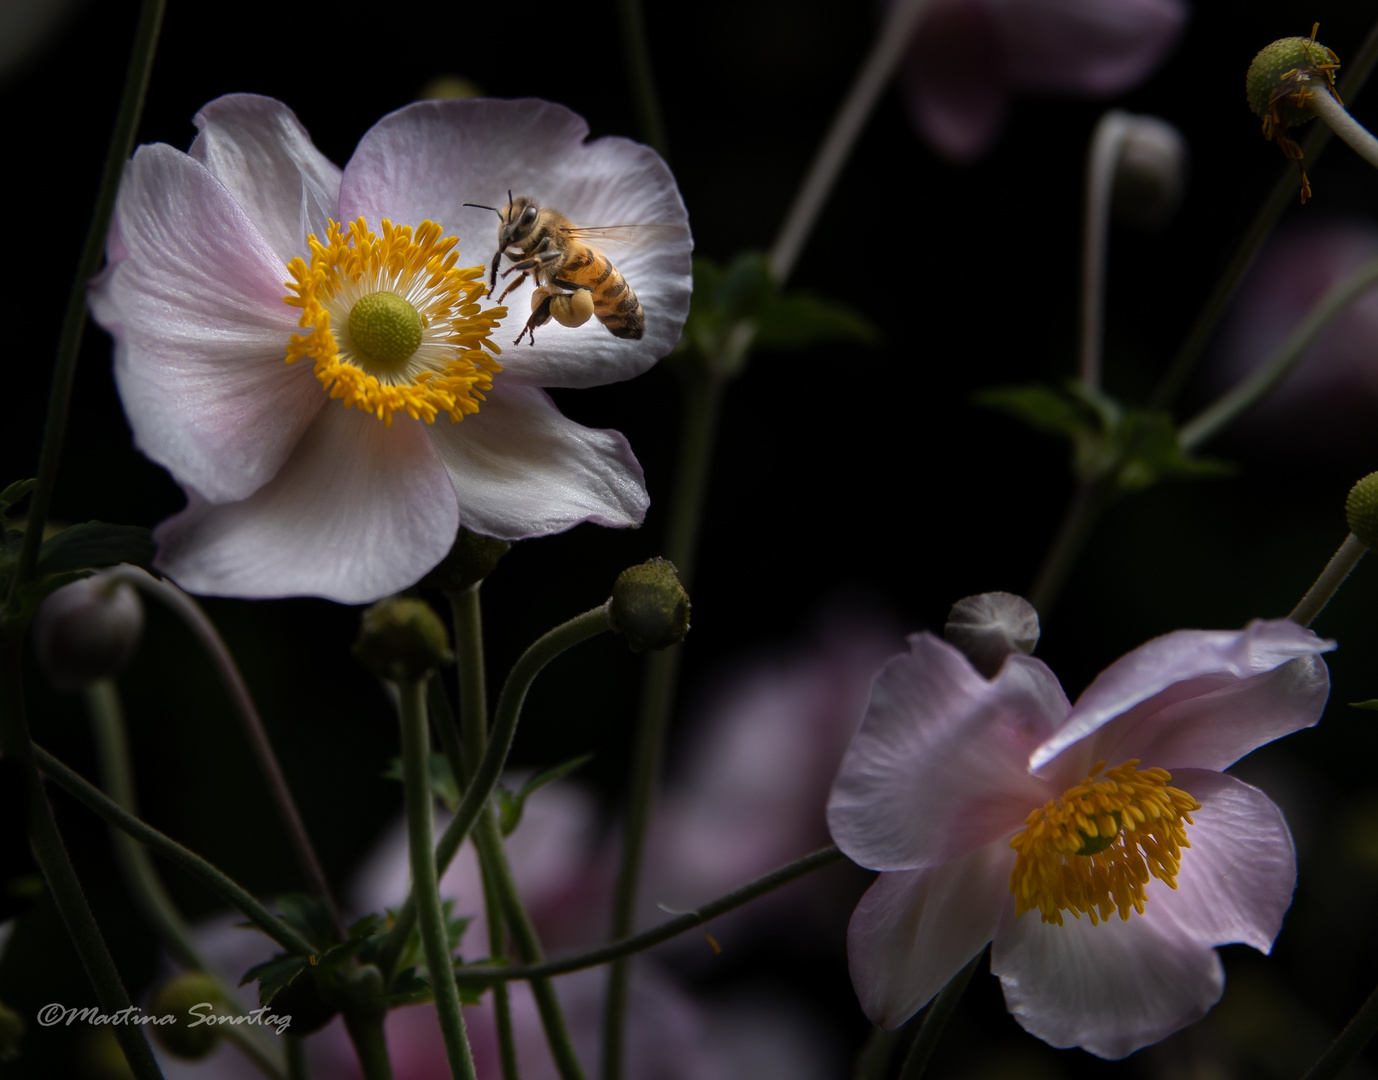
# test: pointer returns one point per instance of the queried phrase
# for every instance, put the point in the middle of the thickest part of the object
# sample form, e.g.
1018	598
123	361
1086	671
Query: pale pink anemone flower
968	56
292	493
950	770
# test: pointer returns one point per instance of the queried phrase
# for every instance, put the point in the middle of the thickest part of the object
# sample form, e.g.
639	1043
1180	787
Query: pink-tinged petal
520	468
915	929
1094	47
954	81
193	298
1237	878
939	767
258	149
358	511
426	160
1110	988
1195	699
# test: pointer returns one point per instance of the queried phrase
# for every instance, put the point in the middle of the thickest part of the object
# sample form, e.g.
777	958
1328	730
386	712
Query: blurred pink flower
987	806
1331	396
968	56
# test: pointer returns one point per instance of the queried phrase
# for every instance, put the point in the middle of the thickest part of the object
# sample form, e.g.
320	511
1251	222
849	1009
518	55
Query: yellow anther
1092	850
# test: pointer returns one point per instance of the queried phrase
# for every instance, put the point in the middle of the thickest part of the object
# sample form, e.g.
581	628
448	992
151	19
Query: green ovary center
385	329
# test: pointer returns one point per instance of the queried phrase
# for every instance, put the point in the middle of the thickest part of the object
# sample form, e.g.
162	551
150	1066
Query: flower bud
471	559
1361	510
649	606
402	639
87	630
988	627
175	998
302	1000
1151	174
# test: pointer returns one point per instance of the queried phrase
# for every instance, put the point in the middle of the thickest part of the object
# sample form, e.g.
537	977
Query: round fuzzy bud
1295	57
1151	174
649	606
472	559
988	627
301	1000
87	630
402	639
1361	510
175	998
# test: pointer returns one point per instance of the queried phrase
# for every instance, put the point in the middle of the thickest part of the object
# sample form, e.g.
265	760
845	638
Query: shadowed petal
915	929
520	468
954	79
939	767
359	511
258	149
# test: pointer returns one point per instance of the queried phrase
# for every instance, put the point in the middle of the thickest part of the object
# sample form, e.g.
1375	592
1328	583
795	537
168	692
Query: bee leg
539	317
493	274
513	285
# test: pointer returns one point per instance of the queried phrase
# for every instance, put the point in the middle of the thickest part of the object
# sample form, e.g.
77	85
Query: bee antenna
480	206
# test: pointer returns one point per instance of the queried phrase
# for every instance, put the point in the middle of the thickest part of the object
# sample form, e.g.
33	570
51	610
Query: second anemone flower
1099	846
308	350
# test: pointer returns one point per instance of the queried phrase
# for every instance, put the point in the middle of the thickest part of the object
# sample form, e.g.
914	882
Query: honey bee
545	245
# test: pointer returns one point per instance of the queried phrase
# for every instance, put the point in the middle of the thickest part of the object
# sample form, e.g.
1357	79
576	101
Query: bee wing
627	235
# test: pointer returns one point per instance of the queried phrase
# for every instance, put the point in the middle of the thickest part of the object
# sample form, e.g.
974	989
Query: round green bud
176	998
87	630
1361	510
385	328
649	606
401	639
301	1001
472	559
1265	78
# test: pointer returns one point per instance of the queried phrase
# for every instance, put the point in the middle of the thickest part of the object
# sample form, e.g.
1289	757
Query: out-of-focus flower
988	807
1332	394
216	254
968	56
87	630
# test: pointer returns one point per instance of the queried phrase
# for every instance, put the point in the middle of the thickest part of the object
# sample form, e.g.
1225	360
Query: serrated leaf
310	917
1371	704
1153	453
443	785
408	988
274	975
95	544
510	806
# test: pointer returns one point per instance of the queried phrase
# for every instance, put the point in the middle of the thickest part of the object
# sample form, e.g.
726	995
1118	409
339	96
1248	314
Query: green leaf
408	988
443	785
802	319
1371	704
1153	452
13	494
94	544
510	806
310	917
274	975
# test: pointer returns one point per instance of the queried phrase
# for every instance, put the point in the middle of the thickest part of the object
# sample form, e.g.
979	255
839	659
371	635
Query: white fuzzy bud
988	627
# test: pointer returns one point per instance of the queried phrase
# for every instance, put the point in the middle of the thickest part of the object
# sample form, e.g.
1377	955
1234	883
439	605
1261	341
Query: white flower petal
939	767
1189	700
359	511
520	468
426	160
258	149
915	929
1236	879
193	297
1110	988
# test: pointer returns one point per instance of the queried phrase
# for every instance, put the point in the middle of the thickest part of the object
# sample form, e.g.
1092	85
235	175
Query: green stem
1283	195
637	51
935	1019
1091	498
56	866
365	1029
189	611
1332	577
117	774
295	1050
479	975
1253	389
1356	1035
873	1062
416	772
1101	160
74	317
1337	118
224	887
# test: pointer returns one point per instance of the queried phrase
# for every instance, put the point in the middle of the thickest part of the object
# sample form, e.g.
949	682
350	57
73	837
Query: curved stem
1337	118
224	887
1101	162
1332	577
74	317
935	1019
1253	389
1356	1035
416	771
1085	508
637	51
189	611
478	975
901	19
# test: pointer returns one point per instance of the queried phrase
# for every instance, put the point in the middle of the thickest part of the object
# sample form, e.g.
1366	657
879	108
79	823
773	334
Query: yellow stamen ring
377	361
1093	849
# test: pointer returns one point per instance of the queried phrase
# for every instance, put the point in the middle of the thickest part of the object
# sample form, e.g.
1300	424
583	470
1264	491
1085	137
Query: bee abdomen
619	310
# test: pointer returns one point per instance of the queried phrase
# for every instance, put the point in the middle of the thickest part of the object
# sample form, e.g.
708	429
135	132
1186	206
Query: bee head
520	220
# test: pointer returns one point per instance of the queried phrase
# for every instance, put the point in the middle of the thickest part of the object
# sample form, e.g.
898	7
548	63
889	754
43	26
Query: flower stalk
935	1020
1332	577
1101	160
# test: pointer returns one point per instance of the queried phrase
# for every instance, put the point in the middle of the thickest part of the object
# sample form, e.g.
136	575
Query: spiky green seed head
649	606
1265	78
1361	510
402	639
470	561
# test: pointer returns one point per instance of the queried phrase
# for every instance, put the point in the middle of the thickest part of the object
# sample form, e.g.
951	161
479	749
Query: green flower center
385	329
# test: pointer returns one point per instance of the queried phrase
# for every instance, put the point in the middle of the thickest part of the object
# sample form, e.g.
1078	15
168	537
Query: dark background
838	471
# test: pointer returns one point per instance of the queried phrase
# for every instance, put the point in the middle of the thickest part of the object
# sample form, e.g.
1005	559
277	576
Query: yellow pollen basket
444	369
1093	849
